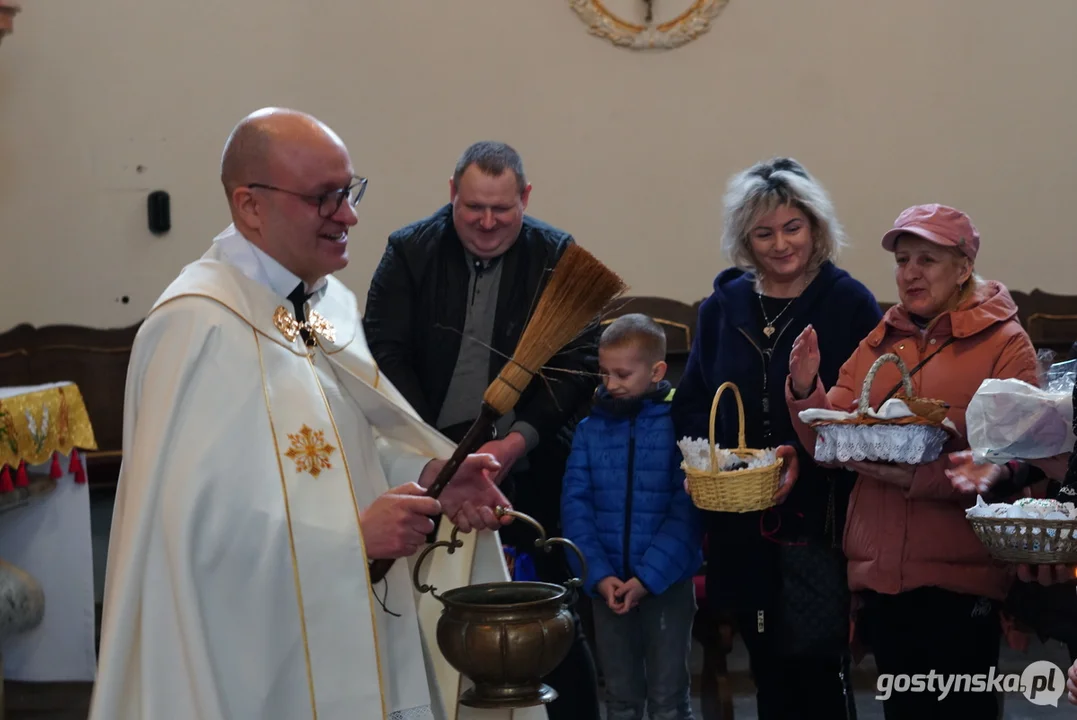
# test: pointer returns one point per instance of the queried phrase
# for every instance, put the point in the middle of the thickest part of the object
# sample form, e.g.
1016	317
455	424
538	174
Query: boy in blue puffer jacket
623	503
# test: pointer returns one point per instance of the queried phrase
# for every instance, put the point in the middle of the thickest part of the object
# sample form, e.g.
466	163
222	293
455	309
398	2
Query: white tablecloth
50	539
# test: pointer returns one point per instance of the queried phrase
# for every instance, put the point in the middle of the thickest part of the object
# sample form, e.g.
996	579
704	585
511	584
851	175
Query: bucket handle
546	544
454	542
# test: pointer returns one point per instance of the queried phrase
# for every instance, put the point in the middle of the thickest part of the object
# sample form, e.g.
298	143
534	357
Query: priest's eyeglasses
328	202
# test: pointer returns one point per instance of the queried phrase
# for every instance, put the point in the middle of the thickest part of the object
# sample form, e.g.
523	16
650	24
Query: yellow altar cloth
38	421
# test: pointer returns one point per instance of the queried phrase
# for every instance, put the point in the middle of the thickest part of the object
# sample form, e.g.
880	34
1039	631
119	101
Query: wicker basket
737	491
1032	541
915	440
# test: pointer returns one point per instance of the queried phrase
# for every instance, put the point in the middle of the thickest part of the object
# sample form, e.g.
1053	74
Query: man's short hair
492	158
639	330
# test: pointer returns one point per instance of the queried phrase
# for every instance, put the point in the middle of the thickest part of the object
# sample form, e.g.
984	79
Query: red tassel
75	466
5	481
55	471
21	479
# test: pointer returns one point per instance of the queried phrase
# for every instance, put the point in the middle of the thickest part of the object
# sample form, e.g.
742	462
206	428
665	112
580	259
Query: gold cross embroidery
310	451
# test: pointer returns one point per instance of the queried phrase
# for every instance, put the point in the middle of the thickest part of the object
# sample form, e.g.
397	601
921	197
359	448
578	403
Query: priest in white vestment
266	462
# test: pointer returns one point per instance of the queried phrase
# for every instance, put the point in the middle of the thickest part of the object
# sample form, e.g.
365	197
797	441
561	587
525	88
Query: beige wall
890	102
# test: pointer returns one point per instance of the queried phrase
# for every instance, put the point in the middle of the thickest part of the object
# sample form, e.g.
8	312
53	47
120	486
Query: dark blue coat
728	346
623	500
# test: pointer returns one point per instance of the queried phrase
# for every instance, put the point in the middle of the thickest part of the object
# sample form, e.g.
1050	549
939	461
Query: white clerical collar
257	265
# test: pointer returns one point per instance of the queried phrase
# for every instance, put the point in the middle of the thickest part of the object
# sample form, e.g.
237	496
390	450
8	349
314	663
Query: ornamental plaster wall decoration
689	24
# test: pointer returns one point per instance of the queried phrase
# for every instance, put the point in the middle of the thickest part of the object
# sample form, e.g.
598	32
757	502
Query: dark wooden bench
95	360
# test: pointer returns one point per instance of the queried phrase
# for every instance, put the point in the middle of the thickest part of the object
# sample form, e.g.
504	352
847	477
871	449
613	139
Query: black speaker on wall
159	212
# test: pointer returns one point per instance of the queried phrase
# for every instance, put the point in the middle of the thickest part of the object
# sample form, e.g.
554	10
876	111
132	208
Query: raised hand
969	476
804	362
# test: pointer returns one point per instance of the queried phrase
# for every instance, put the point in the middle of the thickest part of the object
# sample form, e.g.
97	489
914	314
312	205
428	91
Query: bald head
266	139
279	168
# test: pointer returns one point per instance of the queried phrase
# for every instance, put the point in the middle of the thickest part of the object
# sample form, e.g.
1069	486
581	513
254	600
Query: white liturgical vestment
237	583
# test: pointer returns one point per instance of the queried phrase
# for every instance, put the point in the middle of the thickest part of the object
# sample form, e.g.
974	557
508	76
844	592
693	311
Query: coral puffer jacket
899	539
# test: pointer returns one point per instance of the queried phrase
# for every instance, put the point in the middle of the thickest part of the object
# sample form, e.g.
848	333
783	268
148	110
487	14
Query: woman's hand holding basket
790	472
1047	574
791	465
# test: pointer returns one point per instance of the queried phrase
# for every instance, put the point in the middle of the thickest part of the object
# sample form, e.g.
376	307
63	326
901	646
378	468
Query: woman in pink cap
929	591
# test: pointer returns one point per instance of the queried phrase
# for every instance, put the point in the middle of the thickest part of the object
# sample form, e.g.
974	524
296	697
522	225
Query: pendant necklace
768	326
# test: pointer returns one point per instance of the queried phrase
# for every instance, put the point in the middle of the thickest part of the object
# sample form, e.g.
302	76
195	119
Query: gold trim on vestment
291	346
291	536
321	327
316	324
359	530
286	323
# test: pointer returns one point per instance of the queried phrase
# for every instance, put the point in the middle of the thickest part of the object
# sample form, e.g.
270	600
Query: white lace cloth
416	713
912	444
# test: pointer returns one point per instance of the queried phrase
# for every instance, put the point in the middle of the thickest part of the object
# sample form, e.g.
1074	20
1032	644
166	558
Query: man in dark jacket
445	311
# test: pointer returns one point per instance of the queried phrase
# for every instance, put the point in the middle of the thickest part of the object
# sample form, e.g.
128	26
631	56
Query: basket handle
869	379
740	418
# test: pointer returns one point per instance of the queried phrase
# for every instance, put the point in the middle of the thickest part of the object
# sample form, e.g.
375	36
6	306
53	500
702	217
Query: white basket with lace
905	429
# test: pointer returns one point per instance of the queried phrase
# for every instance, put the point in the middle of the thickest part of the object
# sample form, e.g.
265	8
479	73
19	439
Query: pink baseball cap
939	224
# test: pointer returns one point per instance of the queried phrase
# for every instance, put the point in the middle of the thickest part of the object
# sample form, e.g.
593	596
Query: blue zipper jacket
623	500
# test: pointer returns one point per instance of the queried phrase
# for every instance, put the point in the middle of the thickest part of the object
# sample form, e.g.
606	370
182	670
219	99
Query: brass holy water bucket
506	636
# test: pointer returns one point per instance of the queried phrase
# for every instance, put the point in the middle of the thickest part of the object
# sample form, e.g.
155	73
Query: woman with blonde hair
780	572
929	589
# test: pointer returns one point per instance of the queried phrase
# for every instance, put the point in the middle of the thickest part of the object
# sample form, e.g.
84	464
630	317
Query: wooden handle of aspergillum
476	436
